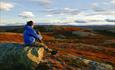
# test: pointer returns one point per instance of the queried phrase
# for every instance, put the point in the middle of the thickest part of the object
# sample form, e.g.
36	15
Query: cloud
104	13
6	6
26	14
84	21
80	21
103	6
95	4
102	19
97	7
84	18
110	20
49	15
44	3
64	11
113	1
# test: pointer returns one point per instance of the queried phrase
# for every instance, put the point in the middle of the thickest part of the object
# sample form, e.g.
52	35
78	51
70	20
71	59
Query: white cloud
98	7
104	13
113	1
97	18
63	11
49	15
89	19
26	14
95	4
82	18
68	9
6	6
103	6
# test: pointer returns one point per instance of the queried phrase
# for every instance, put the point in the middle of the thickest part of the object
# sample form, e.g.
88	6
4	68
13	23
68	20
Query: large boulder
16	57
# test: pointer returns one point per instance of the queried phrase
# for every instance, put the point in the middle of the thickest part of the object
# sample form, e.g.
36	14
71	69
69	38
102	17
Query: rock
109	42
43	66
113	31
99	66
83	34
60	36
86	64
86	61
15	57
82	45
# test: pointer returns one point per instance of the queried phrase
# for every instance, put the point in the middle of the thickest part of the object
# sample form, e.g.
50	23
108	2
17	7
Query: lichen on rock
13	56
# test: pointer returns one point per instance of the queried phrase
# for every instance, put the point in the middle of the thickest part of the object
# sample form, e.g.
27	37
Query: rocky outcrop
109	42
81	63
83	34
16	57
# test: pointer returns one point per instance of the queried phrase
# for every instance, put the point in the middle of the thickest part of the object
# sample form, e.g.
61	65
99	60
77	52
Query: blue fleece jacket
30	35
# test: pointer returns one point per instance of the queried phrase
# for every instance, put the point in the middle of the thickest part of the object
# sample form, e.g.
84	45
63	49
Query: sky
57	12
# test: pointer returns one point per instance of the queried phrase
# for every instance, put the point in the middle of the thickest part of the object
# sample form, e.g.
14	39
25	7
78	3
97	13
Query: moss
12	57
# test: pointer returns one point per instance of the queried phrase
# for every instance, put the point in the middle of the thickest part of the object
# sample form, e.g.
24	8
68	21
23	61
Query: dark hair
30	23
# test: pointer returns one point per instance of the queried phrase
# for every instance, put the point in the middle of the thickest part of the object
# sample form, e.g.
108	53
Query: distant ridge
95	27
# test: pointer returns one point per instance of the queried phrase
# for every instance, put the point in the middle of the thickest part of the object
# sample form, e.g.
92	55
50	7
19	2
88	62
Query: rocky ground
84	52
